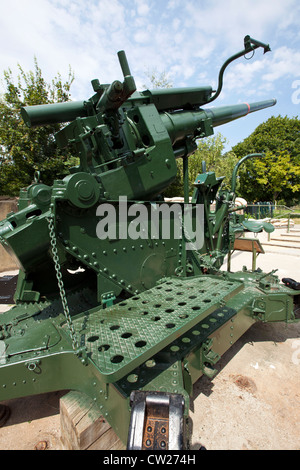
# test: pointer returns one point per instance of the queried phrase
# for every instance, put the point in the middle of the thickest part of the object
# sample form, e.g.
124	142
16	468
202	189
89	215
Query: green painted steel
129	308
124	336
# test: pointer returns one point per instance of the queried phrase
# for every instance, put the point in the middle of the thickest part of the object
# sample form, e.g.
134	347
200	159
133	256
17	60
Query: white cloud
285	63
265	72
142	7
176	24
172	4
142	36
188	40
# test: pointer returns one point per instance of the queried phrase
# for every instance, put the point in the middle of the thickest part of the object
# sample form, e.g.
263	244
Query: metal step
121	337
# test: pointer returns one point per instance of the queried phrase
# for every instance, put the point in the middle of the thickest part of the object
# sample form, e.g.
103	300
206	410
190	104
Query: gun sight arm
237	166
250	45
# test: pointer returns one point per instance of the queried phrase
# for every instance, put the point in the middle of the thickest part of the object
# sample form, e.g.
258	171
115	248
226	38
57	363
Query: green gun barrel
183	123
44	114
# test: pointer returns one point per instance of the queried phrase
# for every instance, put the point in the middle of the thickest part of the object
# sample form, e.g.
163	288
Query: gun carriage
109	304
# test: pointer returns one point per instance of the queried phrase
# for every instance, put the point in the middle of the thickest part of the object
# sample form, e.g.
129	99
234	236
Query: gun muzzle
183	123
225	114
44	114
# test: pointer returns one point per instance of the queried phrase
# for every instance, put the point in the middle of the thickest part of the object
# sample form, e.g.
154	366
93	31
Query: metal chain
60	282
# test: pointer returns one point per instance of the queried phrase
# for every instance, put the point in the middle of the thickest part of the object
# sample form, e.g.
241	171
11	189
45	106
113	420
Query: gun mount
109	295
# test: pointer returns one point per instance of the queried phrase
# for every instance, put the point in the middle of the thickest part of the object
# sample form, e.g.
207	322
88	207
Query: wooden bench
246	244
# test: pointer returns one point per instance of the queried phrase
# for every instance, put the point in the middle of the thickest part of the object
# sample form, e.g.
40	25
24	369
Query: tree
24	151
210	150
278	174
158	80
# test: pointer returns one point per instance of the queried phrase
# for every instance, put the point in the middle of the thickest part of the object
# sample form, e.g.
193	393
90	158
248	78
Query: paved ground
252	403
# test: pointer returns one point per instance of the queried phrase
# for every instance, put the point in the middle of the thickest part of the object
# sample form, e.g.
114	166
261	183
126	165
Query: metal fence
264	210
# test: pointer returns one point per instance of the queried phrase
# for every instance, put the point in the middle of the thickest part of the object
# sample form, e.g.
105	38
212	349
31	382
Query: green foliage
278	173
23	150
158	80
210	150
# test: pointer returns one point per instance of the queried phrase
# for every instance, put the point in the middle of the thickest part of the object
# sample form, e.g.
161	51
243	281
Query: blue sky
188	40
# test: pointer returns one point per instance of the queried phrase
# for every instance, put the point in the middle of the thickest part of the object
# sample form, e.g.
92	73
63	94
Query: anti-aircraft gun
118	296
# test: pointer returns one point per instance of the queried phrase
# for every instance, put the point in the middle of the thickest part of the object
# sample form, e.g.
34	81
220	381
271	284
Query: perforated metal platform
121	337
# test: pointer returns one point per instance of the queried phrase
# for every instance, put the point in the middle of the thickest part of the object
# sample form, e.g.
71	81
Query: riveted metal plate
121	337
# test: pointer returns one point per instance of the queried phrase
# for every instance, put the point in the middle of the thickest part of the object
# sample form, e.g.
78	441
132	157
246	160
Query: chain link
60	281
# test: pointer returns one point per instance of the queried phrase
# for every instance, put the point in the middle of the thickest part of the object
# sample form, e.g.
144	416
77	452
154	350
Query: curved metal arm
249	45
237	166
